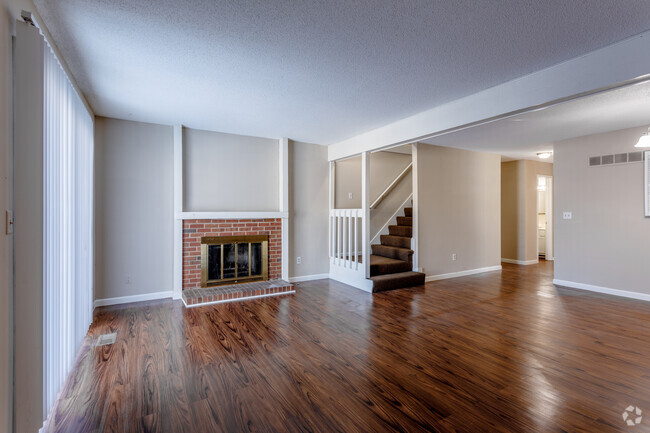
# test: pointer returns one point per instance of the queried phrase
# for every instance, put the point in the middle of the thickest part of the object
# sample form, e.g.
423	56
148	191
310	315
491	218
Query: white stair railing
345	233
349	234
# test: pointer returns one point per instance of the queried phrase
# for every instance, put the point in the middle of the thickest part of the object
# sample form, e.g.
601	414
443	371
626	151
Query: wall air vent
594	160
635	157
607	159
619	158
106	339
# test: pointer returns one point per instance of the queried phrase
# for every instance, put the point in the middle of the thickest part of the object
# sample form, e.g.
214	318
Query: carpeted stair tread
383	265
404	221
391	252
381	283
400	231
396	241
408	211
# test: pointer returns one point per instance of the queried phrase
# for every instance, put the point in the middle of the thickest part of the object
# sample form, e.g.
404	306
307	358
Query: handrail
392	186
392	218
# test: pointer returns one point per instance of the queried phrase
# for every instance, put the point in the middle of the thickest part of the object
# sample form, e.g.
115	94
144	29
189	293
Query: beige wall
308	208
226	172
393	201
607	242
459	209
384	168
28	232
513	239
134	208
519	208
6	274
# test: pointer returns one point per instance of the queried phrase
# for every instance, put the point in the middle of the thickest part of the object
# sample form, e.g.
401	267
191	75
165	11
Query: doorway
545	217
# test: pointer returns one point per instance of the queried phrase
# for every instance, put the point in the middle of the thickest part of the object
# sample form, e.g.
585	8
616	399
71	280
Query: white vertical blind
68	225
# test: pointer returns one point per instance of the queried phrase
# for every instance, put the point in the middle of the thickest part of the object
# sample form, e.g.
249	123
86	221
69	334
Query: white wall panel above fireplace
229	173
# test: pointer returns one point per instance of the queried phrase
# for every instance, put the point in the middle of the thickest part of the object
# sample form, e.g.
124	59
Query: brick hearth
194	230
212	295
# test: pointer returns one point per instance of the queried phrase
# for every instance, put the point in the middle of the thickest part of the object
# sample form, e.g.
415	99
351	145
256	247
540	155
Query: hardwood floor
498	352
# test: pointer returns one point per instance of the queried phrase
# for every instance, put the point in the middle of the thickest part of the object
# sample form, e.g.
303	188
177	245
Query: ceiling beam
622	63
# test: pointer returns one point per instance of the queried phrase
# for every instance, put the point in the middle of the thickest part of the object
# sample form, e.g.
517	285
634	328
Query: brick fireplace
194	230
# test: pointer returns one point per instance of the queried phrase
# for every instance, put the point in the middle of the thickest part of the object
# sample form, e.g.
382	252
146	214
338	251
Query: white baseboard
133	298
520	262
605	290
308	278
461	273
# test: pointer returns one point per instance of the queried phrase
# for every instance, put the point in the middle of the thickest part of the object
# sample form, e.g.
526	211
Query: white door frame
548	250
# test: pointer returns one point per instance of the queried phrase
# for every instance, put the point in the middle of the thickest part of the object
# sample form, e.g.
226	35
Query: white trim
384	229
283	201
351	278
330	233
646	180
605	290
245	298
230	215
461	273
365	206
134	298
177	283
309	278
285	249
415	225
520	262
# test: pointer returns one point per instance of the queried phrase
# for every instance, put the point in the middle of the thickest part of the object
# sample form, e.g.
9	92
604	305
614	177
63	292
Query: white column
178	209
284	202
331	227
365	205
414	239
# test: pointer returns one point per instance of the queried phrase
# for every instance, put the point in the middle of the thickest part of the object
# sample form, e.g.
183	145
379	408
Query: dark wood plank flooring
499	352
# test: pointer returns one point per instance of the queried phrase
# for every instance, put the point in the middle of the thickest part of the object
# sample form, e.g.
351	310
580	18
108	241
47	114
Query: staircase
391	263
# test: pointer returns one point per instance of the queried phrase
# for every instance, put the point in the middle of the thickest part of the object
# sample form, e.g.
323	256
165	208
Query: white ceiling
316	71
522	136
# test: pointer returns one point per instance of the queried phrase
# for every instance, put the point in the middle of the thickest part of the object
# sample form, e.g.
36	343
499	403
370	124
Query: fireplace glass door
233	259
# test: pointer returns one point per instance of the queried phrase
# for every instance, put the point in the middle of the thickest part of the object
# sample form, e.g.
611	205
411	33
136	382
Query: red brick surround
194	230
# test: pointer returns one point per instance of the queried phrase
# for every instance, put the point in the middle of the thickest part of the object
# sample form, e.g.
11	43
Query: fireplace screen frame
236	240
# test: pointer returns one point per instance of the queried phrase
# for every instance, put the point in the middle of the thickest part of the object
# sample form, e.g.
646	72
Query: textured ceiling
316	71
521	137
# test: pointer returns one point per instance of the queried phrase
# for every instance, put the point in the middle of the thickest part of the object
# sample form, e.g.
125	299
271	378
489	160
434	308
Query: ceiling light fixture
644	140
544	155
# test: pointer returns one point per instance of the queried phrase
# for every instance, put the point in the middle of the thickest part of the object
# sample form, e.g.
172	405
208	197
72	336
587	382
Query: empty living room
339	216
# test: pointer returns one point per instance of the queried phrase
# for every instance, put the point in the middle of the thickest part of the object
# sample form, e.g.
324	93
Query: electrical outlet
350	196
567	215
298	260
127	279
453	257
